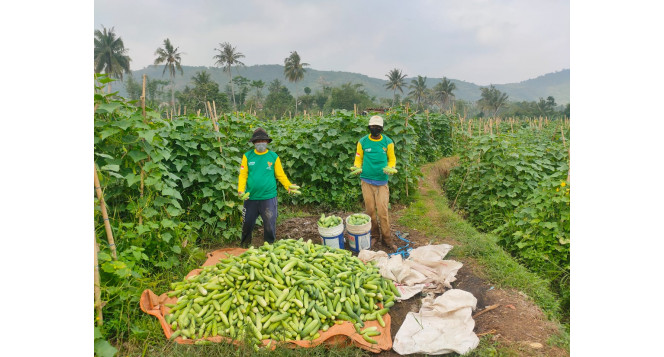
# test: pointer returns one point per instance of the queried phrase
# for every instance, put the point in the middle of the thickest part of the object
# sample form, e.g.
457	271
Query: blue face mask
260	147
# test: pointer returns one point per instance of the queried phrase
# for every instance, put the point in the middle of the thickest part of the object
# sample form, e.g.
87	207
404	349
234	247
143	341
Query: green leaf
98	333
168	191
148	135
132	179
176	249
108	107
111	168
104	349
173	211
138	155
108	132
166	237
122	124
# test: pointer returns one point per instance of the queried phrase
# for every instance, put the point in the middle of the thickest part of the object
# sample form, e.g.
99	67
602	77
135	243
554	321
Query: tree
418	88
110	54
395	80
546	108
346	96
227	57
204	90
278	99
492	99
171	58
443	90
294	70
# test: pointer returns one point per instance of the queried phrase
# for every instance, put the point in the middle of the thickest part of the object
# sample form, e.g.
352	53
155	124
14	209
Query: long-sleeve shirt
258	175
372	155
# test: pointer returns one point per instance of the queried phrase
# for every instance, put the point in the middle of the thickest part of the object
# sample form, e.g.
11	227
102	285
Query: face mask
260	147
375	131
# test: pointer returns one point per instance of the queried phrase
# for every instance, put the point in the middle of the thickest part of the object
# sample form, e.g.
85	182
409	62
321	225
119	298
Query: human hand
354	170
294	189
389	170
243	196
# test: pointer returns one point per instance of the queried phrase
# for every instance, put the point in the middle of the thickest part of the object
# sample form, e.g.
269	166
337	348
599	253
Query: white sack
443	325
424	269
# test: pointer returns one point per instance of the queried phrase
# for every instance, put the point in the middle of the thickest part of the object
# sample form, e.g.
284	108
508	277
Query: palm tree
418	88
395	80
171	57
110	54
228	57
443	90
492	99
294	70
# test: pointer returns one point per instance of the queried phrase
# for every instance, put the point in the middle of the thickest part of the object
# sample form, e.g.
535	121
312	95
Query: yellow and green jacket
373	155
259	174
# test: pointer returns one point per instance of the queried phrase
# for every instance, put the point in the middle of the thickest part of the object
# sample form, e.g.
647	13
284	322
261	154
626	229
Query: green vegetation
514	183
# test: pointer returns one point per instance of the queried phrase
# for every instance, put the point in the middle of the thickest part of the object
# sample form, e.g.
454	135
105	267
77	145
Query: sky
478	41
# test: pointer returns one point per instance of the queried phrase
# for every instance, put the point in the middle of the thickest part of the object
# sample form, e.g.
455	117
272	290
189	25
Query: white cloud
479	41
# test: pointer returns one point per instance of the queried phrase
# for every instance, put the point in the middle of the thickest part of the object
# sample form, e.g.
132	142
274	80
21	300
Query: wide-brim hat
260	134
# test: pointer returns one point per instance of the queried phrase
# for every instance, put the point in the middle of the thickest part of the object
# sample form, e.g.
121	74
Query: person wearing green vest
374	156
259	171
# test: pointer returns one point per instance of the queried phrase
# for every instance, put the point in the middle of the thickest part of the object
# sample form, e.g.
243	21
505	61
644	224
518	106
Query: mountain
556	84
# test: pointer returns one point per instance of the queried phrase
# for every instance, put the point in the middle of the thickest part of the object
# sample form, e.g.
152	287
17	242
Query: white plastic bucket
359	237
332	237
357	242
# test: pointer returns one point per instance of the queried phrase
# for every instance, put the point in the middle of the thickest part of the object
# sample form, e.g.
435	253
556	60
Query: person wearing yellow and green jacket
374	153
259	171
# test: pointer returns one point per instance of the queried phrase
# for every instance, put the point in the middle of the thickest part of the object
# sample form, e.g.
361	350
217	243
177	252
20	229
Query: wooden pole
104	214
354	110
100	318
143	97
214	123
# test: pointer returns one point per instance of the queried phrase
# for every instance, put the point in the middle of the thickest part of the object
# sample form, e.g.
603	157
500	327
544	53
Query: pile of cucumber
290	290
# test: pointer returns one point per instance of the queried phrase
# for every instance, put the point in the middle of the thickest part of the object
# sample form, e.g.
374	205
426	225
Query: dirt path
514	322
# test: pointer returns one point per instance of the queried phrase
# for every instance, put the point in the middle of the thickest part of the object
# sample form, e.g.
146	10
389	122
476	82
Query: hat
376	120
260	134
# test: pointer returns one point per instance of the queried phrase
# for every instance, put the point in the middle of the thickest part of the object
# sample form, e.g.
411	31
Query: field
170	187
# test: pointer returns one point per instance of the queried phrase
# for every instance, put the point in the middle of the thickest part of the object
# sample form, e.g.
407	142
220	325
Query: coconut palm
171	58
110	54
492	99
418	88
395	80
294	70
443	90
227	57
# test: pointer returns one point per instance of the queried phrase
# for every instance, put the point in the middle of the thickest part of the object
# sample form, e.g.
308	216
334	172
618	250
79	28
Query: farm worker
375	152
259	172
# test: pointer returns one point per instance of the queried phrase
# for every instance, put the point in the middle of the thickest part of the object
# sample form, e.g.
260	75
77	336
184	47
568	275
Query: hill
556	84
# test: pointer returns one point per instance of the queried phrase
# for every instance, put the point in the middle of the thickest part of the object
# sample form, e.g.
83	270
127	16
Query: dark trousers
268	211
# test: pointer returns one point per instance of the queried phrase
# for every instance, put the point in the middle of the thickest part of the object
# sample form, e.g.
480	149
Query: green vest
261	181
374	158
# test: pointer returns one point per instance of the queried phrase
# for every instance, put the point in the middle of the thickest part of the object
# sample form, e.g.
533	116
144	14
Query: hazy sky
479	41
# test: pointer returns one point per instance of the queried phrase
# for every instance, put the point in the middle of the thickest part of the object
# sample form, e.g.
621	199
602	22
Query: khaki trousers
376	198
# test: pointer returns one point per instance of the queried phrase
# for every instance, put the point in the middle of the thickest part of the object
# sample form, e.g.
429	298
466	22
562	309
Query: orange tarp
342	334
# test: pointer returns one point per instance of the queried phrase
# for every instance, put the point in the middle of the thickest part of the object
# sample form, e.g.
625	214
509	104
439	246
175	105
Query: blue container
335	241
357	242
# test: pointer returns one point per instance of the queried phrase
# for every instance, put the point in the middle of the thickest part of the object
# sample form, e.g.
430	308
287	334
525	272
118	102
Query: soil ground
515	321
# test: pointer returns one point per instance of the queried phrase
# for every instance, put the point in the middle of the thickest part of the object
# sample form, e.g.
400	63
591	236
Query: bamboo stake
143	98
104	214
185	110
100	318
354	110
569	154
